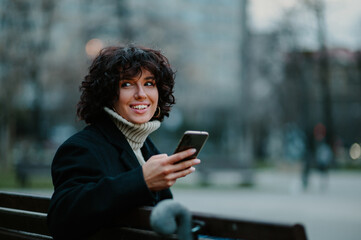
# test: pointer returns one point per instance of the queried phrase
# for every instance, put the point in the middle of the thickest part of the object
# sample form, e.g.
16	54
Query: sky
343	19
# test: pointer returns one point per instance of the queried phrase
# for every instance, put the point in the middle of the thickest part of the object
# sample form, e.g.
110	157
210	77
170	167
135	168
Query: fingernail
193	150
192	169
197	161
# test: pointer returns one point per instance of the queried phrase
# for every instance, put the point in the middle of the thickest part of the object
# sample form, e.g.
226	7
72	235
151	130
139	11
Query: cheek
156	96
124	95
122	100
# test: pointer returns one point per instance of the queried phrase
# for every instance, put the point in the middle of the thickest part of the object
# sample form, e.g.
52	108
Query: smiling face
138	98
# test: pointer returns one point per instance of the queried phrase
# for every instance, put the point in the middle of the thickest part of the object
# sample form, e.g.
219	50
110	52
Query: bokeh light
355	151
93	46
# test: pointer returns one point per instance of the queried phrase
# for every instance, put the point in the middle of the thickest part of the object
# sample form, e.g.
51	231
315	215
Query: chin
140	120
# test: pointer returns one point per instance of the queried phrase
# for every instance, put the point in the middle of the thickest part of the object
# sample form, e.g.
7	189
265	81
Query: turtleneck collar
136	134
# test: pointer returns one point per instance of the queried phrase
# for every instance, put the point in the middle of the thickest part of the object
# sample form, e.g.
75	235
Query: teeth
140	107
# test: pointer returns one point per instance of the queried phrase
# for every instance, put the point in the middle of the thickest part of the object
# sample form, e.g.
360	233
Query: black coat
97	178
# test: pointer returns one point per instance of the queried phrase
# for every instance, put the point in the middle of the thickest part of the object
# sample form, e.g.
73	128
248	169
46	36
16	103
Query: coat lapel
149	149
116	138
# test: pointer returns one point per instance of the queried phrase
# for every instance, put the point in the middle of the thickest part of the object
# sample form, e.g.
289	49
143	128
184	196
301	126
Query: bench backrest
23	216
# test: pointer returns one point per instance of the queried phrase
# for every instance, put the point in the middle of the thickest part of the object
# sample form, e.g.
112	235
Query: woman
112	166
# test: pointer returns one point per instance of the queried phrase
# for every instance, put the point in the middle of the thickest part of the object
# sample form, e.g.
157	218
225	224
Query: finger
186	164
181	155
158	156
174	176
170	183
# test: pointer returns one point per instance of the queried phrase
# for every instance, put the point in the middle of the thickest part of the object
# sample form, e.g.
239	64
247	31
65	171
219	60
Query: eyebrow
146	78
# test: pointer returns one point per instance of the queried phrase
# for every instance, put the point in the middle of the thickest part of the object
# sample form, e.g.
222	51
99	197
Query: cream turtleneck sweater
134	133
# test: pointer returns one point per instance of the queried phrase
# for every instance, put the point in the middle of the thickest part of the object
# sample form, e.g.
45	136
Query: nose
140	93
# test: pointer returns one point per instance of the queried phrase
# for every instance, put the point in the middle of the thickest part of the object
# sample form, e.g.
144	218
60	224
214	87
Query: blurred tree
24	38
123	15
243	115
318	86
318	8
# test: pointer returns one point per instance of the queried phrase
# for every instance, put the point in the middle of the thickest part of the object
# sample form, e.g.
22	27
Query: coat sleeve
85	198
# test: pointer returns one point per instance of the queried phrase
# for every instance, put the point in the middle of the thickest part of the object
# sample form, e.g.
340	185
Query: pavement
330	208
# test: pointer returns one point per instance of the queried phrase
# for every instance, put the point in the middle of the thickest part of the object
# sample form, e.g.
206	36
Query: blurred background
277	84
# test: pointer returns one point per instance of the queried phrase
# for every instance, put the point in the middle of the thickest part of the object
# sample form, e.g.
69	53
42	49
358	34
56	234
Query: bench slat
24	221
126	233
9	234
237	228
24	202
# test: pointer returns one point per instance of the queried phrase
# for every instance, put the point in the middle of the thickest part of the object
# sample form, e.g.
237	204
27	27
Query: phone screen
192	139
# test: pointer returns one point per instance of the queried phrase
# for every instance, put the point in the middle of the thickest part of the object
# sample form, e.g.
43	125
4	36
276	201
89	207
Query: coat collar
106	126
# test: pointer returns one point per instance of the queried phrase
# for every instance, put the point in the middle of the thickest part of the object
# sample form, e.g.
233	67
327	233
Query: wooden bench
23	216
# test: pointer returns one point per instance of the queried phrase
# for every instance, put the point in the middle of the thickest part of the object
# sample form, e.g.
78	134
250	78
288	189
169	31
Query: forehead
146	73
141	74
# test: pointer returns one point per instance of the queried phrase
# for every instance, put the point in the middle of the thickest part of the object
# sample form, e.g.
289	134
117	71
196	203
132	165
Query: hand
161	171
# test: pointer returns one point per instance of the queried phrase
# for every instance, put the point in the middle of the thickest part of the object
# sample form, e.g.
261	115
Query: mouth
140	106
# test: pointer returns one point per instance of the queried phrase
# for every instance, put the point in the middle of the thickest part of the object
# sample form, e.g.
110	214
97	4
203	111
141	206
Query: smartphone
192	139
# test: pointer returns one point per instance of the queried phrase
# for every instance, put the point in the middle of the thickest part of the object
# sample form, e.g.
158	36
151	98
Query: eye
150	84
125	84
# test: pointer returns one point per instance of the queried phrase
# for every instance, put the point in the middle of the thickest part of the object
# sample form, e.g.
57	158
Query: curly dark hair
100	87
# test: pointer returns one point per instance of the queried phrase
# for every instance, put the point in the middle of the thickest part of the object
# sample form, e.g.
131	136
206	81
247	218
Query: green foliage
8	180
